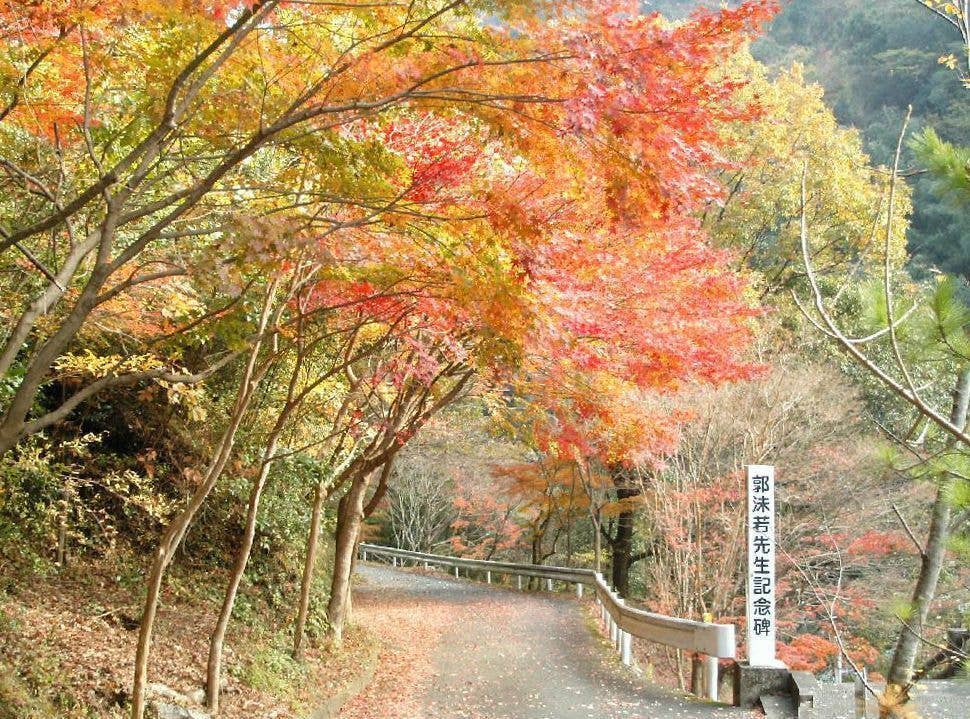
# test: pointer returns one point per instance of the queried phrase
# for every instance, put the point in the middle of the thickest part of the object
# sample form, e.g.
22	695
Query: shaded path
503	654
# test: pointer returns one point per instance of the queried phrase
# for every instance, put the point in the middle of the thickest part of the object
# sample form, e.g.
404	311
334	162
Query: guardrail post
626	649
488	577
456	572
518	581
364	552
618	639
548	585
393	561
426	565
579	590
710	677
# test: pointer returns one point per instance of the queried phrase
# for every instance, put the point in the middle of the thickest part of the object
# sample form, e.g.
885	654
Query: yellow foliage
88	364
894	703
846	207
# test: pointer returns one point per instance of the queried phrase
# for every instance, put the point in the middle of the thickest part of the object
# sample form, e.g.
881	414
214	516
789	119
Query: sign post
761	567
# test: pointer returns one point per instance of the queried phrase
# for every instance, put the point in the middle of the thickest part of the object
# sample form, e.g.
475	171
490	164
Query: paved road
516	655
934	699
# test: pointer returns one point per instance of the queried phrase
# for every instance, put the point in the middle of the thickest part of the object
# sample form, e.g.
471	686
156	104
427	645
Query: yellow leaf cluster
846	203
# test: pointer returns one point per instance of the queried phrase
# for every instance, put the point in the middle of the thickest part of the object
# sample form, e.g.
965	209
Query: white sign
761	566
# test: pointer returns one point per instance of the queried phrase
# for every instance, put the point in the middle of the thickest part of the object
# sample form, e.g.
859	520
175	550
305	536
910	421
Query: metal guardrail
623	622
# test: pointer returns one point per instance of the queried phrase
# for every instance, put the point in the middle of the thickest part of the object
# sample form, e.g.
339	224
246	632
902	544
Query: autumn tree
693	523
436	472
319	355
551	502
128	185
760	216
261	169
419	510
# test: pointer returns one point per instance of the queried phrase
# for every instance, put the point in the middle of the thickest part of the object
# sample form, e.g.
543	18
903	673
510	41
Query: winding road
485	652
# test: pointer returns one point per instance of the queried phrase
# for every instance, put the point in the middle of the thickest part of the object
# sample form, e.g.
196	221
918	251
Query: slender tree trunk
569	526
350	512
63	518
349	612
163	557
13	344
931	563
176	529
214	668
366	511
299	630
216	640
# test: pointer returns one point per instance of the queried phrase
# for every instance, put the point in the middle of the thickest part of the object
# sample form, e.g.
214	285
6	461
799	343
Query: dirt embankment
67	646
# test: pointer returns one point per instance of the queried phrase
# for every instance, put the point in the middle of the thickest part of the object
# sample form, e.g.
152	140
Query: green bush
270	668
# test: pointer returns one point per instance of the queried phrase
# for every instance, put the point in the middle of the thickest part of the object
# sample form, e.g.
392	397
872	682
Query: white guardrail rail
713	641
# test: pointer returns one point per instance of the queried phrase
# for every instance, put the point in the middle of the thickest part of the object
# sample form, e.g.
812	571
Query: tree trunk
216	640
62	528
597	542
13	424
931	563
622	545
299	630
538	534
176	529
13	344
163	557
349	611
622	553
350	512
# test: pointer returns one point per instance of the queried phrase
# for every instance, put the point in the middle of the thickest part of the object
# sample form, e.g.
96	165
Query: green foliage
948	165
276	562
950	318
55	493
796	133
960	546
271	668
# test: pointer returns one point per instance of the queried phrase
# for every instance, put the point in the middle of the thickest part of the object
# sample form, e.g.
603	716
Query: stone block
751	682
804	687
161	710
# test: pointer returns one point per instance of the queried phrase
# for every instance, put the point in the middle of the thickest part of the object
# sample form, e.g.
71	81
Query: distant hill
873	63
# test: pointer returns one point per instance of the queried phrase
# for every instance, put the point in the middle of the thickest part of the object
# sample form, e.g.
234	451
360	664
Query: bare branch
909	531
